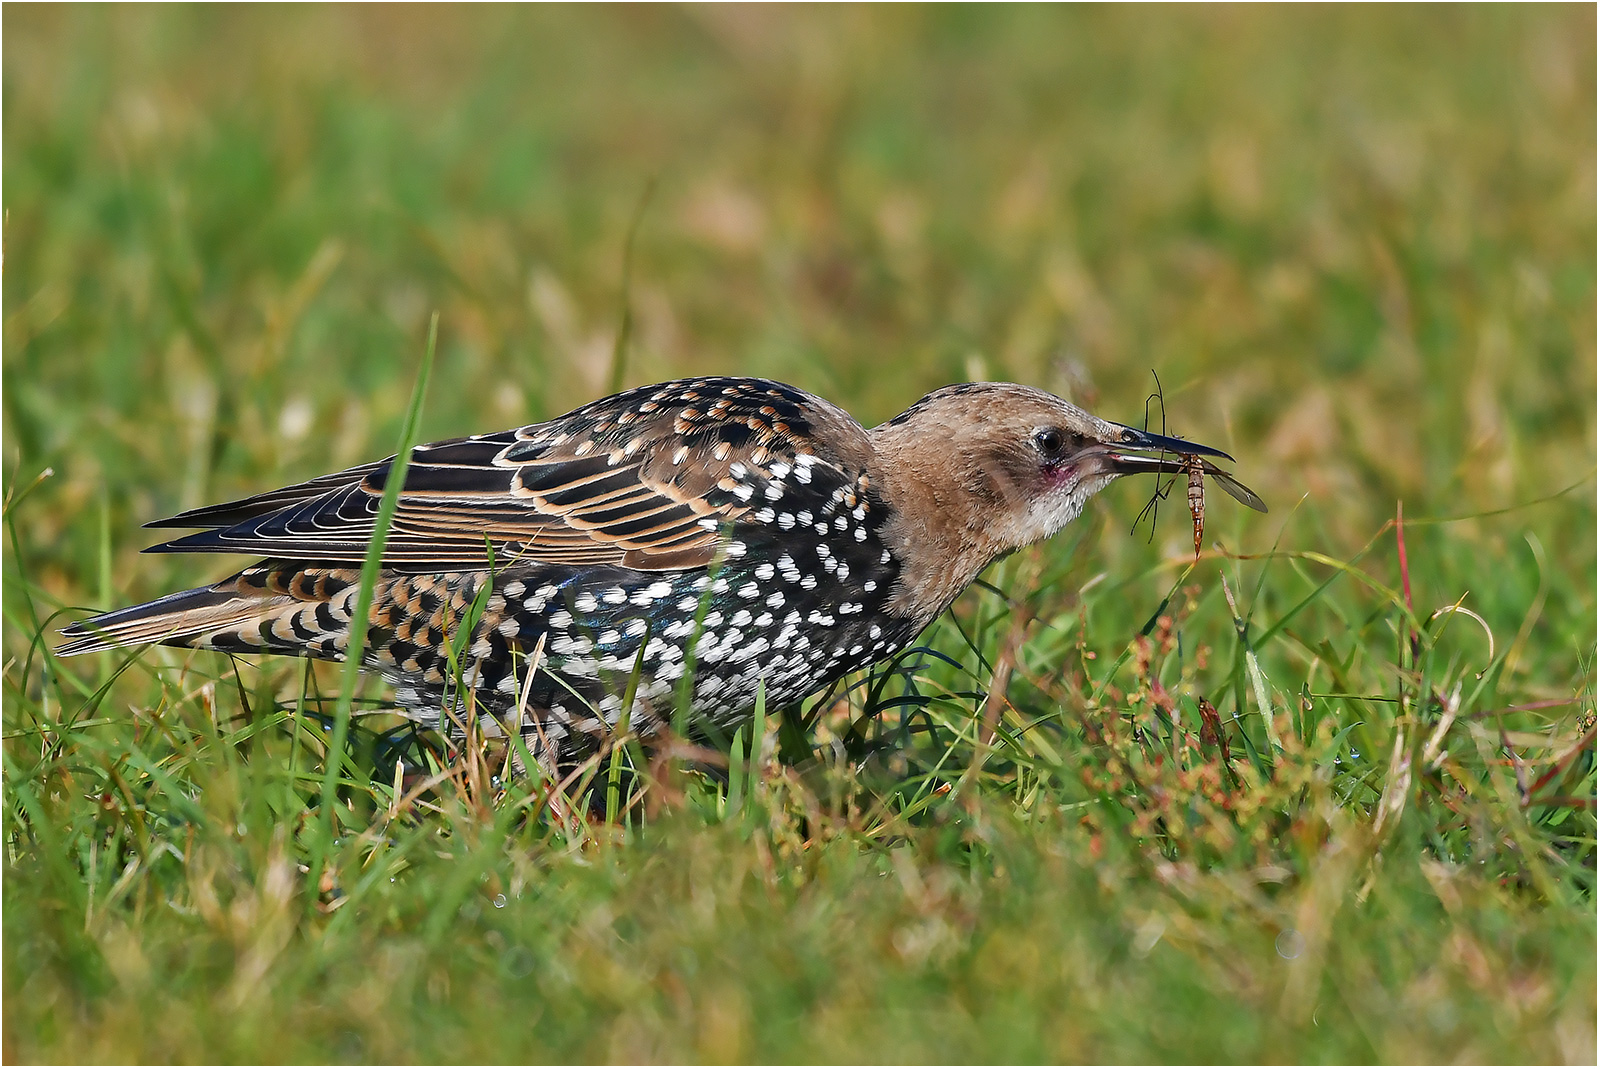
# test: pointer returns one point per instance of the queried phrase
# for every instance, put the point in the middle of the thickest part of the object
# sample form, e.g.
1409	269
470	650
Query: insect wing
1235	489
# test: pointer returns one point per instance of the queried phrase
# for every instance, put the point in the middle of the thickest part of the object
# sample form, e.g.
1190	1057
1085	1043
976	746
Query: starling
734	530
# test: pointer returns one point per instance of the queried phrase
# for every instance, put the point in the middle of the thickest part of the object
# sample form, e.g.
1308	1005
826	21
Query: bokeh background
1356	244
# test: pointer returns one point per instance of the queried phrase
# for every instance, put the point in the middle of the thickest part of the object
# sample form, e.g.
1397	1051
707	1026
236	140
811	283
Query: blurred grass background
1357	245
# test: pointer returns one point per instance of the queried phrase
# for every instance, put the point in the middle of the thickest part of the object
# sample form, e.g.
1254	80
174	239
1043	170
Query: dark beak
1144	441
1127	456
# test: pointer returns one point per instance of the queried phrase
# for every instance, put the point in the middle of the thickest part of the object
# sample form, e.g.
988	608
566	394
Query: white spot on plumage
648	594
585	602
753	649
764	572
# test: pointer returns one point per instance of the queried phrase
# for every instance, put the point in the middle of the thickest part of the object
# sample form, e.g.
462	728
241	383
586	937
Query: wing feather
632	479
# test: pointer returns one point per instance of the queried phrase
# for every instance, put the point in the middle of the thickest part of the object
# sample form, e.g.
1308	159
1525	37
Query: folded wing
645	479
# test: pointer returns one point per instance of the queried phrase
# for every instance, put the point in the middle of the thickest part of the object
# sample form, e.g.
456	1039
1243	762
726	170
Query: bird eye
1049	440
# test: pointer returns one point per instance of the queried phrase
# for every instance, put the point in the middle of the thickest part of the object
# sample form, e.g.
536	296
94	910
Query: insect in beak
1131	456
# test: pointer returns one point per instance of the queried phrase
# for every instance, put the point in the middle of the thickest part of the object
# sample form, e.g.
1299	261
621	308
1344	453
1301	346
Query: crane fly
1197	497
1176	456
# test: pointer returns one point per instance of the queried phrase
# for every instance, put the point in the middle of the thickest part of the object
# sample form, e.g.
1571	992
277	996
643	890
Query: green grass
1356	244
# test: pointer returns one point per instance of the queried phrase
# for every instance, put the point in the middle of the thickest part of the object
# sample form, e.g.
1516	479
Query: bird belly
774	615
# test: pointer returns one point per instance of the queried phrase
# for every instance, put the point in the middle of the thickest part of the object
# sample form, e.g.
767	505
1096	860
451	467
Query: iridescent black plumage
757	524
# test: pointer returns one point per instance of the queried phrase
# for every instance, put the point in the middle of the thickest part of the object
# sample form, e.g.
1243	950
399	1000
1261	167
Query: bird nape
732	530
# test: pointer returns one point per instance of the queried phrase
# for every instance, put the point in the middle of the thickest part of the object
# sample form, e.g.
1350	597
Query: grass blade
363	605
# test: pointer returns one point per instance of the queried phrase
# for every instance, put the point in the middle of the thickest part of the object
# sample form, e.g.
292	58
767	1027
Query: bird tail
256	610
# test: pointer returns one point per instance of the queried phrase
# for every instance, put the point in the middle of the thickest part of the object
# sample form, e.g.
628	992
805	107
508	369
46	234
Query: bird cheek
1059	475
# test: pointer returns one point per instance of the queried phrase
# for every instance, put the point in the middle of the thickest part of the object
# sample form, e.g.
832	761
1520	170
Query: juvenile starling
759	525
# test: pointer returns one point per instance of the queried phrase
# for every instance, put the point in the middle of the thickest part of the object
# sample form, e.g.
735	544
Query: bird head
978	470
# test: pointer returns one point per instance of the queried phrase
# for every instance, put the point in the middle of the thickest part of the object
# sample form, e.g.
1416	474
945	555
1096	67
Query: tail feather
175	620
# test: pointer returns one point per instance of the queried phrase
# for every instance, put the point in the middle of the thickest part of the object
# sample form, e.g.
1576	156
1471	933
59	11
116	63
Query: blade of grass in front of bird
296	726
758	734
683	703
356	644
455	646
735	796
620	735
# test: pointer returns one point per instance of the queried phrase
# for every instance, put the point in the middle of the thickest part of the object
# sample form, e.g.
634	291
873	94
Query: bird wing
646	479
